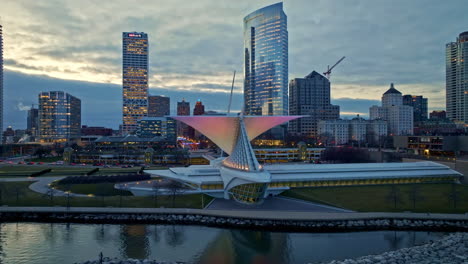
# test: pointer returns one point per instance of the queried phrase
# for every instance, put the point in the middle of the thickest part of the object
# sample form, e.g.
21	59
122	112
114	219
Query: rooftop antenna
230	97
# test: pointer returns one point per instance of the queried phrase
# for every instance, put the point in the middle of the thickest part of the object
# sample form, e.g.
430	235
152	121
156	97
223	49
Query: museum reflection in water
70	243
228	246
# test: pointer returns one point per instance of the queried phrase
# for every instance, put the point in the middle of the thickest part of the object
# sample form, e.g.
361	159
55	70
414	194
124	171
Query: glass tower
266	61
59	117
456	78
134	79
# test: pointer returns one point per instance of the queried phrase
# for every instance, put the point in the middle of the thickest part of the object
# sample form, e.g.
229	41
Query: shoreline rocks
233	222
452	248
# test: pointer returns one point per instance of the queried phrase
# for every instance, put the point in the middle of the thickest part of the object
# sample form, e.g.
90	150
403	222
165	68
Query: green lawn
100	189
18	194
57	170
434	198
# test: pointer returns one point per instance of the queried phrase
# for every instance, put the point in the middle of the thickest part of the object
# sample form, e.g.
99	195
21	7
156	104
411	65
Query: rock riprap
451	249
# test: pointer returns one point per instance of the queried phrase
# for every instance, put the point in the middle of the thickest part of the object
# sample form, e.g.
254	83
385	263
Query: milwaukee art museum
240	177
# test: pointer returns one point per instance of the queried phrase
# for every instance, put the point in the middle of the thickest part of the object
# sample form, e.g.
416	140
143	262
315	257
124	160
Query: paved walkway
275	204
41	185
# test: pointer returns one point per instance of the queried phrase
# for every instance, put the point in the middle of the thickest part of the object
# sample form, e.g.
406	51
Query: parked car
29	163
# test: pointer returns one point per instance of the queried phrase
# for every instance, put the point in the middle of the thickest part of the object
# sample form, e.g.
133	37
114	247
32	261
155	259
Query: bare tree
50	193
454	195
155	192
175	188
394	196
415	195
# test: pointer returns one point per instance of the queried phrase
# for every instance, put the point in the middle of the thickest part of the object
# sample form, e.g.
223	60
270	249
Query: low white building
339	132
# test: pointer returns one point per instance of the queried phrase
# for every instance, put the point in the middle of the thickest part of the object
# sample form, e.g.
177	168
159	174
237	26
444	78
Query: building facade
183	109
310	97
134	79
266	61
419	104
339	132
399	117
438	115
96	131
32	126
456	78
199	108
1	81
158	106
59	117
160	127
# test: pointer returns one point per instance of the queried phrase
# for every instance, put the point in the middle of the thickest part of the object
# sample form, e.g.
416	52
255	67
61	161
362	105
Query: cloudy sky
75	46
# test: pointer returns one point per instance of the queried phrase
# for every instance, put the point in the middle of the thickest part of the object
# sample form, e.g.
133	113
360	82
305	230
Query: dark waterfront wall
262	220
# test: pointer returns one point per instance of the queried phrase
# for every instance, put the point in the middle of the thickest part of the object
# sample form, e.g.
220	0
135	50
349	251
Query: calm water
69	243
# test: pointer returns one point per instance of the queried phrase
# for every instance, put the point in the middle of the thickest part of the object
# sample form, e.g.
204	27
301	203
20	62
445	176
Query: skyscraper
199	108
33	121
183	108
158	106
419	104
1	83
310	97
266	61
134	79
59	117
456	78
399	117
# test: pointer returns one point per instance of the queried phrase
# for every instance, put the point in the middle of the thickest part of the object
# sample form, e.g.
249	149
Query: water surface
70	243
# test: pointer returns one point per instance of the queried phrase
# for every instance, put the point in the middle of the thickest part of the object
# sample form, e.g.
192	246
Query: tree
414	195
454	195
50	193
175	188
40	152
394	196
155	192
345	155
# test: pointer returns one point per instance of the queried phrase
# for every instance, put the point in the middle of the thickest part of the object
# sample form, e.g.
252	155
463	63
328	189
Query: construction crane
328	72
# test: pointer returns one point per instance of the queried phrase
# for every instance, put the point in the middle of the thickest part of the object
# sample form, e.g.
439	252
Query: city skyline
55	49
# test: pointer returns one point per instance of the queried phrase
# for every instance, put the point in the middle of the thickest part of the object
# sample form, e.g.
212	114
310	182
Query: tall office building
199	108
158	106
183	108
266	61
419	104
33	121
59	117
163	128
456	78
310	97
1	82
399	117
134	79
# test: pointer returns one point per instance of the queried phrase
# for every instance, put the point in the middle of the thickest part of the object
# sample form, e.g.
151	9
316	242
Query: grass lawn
434	198
27	170
18	194
100	189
